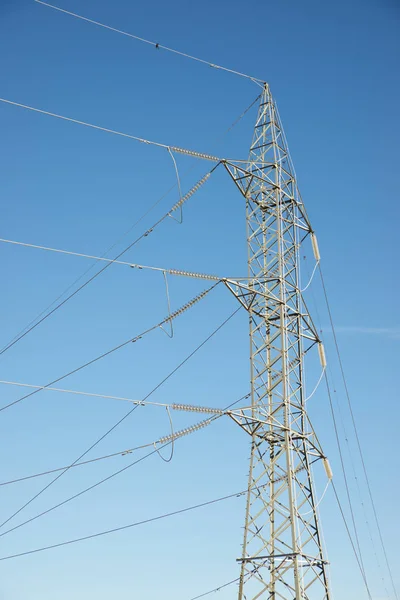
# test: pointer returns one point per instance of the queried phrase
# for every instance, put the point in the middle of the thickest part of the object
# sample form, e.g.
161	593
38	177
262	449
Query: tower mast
282	555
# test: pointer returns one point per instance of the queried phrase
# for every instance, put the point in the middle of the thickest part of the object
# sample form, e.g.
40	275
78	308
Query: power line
184	199
80	393
237	120
224	585
123	527
170	374
324	374
217	589
359	555
351	540
78	279
155	44
192	153
170	317
360	495
82	492
78	464
356	431
178	272
123	452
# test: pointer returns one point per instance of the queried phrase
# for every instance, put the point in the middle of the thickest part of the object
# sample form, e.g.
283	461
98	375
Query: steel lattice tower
282	554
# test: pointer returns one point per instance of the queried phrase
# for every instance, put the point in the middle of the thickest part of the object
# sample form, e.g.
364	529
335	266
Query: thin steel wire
29	327
123	527
134	339
114	454
170	374
350	405
193	153
178	272
106	266
359	555
155	44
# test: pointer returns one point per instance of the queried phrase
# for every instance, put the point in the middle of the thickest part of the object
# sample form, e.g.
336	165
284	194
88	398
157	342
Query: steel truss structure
282	555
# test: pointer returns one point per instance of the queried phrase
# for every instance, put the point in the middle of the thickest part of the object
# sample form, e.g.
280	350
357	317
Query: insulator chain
202	409
182	432
193	153
190	193
188	305
195	275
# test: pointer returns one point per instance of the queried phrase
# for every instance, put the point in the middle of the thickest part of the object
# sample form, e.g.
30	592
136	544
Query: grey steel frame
282	555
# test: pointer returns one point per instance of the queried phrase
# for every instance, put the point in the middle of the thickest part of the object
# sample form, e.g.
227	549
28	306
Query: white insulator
322	357
190	193
182	432
314	243
191	408
328	469
193	153
165	439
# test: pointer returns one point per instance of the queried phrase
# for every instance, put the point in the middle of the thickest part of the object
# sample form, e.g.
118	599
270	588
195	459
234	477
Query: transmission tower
282	555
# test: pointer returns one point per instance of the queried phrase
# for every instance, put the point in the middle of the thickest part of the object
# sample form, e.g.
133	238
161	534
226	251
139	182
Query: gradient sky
333	68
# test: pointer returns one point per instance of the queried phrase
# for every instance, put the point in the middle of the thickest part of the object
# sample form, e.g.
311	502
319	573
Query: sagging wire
171	325
311	278
166	440
186	197
317	385
355	428
130	525
135	339
114	261
201	155
314	509
178	183
167	460
157	45
161	383
31	323
216	412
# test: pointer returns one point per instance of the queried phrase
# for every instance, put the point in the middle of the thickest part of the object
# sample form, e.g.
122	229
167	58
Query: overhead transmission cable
350	405
80	393
78	279
87	489
360	495
192	153
218	413
78	464
123	527
154	44
351	540
358	554
184	199
134	339
373	546
132	265
217	589
355	545
164	380
32	322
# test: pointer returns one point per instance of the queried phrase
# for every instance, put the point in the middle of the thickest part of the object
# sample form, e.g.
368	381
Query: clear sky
333	68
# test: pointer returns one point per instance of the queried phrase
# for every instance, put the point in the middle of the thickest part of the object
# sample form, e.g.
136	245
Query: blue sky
333	70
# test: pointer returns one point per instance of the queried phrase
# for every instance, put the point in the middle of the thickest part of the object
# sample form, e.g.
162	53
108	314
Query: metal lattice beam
282	554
